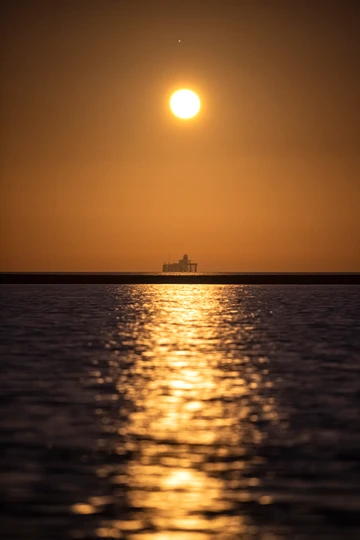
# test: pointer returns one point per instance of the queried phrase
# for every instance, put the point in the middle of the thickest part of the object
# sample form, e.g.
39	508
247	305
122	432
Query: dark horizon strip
148	279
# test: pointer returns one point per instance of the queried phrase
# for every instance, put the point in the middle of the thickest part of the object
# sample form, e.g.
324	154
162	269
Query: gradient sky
98	175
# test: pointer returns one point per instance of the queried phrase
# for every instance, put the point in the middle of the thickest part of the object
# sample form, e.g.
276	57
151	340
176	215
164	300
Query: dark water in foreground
180	412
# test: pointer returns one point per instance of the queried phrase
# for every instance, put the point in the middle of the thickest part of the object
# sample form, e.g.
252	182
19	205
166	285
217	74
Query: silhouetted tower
184	263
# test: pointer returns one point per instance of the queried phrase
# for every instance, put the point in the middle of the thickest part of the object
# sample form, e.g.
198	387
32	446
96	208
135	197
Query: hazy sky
98	175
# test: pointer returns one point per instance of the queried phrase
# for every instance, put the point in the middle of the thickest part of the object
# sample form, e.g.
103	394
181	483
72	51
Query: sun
185	103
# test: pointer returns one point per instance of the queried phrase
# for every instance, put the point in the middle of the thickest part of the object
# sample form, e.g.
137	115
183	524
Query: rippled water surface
180	412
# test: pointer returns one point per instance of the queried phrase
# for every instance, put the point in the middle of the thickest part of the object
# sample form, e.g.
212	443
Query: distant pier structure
184	265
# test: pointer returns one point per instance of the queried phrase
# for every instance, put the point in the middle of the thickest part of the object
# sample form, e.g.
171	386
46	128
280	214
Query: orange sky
97	175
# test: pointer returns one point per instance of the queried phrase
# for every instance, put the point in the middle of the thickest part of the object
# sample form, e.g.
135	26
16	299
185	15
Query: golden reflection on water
190	406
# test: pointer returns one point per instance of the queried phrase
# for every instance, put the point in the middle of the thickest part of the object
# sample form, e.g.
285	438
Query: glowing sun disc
185	103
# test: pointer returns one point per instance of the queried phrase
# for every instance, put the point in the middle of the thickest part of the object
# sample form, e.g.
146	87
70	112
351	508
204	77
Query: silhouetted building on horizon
184	265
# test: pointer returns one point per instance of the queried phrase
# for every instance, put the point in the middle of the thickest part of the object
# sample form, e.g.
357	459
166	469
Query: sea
180	412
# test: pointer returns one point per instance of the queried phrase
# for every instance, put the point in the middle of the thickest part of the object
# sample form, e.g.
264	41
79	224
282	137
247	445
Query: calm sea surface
180	412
